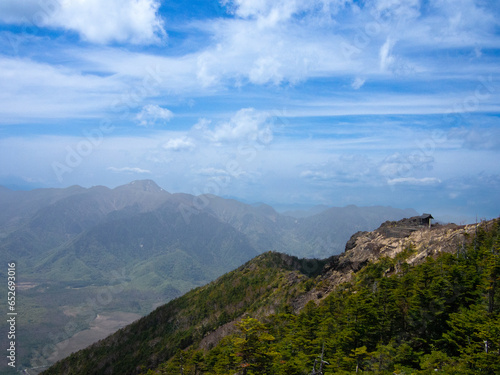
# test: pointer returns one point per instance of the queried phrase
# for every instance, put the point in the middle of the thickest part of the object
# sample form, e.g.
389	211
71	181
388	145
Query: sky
287	102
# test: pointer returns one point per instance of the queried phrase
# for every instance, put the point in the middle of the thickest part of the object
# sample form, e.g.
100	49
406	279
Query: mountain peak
143	185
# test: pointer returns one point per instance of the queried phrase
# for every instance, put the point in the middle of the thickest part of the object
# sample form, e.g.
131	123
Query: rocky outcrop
389	240
393	237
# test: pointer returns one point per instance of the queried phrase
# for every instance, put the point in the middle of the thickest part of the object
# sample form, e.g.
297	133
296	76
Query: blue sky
336	102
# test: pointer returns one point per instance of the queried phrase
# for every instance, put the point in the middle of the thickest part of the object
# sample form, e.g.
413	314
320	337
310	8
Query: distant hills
81	234
71	242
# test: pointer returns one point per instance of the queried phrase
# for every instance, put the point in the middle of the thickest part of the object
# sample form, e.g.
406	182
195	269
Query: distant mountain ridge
69	212
54	222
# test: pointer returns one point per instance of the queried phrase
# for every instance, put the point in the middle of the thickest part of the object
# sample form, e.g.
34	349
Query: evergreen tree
252	347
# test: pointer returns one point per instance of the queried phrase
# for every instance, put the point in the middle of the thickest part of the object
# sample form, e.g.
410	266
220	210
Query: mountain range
72	243
80	235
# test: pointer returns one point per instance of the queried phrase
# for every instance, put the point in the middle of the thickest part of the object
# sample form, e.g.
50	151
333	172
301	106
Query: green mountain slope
158	245
265	283
405	313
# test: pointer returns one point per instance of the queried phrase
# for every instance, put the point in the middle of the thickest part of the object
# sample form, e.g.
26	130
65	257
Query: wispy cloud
179	144
386	57
358	83
152	114
128	170
399	10
477	138
426	181
38	90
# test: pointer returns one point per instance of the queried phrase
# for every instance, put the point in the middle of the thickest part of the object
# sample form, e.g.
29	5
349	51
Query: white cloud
96	21
268	12
17	12
400	10
289	41
315	175
152	114
128	170
465	21
217	174
266	69
477	138
357	83
426	181
179	144
212	172
51	91
247	124
242	52
386	57
347	169
264	44
202	124
399	164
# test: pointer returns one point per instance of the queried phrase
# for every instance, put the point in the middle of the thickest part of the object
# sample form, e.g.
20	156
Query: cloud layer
321	101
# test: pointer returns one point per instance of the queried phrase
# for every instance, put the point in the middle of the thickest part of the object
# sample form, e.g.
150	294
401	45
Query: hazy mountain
310	211
261	224
35	222
83	234
312	235
158	249
18	206
45	219
94	230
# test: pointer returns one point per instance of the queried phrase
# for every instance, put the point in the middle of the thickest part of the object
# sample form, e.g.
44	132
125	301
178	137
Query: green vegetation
442	315
267	283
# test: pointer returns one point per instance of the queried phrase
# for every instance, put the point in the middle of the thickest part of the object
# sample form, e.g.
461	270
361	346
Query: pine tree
252	347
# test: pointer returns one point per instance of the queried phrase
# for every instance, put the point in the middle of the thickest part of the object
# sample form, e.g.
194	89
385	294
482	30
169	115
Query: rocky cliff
405	238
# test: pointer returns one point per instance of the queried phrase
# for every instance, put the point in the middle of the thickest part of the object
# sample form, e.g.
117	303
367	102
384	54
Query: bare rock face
351	244
393	229
389	240
393	237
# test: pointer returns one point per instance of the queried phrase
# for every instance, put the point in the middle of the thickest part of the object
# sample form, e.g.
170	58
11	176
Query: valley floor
100	328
